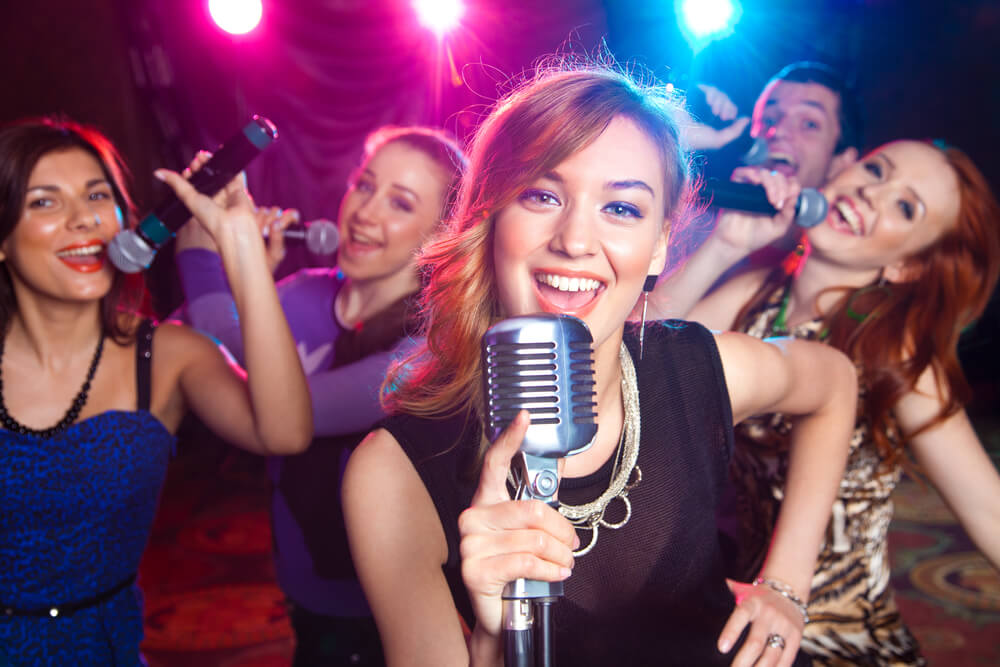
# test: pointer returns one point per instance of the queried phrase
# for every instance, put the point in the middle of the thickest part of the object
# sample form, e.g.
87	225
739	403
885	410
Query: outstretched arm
951	455
276	415
819	384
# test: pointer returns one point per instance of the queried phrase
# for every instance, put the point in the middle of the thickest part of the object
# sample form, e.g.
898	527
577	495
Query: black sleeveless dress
653	591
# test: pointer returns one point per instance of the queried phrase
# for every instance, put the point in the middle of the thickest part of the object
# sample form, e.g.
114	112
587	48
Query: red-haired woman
905	261
92	393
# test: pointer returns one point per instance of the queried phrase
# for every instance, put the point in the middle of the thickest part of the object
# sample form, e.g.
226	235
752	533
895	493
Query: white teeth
567	284
81	252
850	217
362	239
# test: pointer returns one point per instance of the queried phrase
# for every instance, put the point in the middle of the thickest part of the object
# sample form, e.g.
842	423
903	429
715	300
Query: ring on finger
775	640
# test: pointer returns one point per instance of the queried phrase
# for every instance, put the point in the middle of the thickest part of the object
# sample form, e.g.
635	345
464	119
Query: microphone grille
543	364
812	208
322	237
129	252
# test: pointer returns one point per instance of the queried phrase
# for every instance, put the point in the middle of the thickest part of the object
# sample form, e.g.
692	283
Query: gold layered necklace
625	475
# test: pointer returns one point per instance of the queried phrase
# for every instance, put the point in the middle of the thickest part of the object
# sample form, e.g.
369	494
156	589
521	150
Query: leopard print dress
853	615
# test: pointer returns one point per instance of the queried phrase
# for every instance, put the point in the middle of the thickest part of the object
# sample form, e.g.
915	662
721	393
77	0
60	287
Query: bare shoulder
389	512
178	349
178	338
379	451
379	461
177	346
923	403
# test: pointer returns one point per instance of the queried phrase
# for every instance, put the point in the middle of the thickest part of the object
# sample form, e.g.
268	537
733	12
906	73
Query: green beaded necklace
780	324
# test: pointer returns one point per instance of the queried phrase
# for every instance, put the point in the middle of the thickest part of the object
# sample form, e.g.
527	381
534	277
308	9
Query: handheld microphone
133	250
320	236
810	210
544	364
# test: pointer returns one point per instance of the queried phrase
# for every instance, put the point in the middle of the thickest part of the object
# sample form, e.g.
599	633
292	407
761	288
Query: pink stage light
237	17
439	15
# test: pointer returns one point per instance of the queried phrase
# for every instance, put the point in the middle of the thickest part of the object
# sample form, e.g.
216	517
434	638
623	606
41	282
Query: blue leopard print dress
75	512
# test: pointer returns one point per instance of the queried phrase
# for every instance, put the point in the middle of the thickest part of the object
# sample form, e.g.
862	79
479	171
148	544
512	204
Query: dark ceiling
161	81
924	67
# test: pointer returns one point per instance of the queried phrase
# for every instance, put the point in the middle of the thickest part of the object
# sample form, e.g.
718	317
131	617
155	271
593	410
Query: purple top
344	400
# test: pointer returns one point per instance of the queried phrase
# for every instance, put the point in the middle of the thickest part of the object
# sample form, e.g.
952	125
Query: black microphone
810	210
543	364
320	236
133	250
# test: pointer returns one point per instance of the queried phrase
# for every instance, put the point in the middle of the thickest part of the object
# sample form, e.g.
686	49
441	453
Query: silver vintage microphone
543	364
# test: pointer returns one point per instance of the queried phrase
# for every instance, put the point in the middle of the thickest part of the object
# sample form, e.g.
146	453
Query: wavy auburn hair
916	324
22	144
529	133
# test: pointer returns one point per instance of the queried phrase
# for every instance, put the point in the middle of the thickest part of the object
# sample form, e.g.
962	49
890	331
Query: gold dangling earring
647	287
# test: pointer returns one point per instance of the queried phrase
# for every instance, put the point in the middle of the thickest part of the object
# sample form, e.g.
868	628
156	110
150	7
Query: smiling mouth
86	259
82	252
363	241
567	284
849	216
567	294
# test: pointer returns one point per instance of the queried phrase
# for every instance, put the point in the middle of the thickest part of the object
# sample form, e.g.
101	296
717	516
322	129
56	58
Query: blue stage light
702	21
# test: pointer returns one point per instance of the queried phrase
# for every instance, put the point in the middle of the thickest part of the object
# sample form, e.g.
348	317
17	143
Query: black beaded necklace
11	424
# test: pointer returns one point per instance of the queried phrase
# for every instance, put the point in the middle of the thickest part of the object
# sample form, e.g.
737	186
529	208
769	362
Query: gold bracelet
785	591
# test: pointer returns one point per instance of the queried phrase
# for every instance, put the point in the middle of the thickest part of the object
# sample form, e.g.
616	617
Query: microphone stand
527	604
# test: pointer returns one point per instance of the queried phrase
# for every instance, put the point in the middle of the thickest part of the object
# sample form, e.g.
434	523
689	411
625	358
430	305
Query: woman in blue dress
91	393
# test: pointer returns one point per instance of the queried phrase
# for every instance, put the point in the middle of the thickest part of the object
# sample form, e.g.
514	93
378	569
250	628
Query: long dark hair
22	144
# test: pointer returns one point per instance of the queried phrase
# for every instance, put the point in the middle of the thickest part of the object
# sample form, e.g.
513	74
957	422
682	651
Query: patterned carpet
211	599
207	576
947	592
